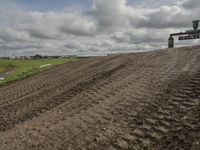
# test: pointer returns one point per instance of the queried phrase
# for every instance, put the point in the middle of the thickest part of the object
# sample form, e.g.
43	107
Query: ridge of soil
118	102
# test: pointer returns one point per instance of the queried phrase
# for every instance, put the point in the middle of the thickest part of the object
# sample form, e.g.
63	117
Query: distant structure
187	35
22	58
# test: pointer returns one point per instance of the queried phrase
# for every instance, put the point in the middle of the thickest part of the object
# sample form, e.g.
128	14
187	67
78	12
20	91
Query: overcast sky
92	27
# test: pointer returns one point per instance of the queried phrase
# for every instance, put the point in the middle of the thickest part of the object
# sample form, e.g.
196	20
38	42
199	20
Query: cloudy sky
92	27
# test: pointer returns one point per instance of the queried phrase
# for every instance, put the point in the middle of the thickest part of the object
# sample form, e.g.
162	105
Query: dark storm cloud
191	4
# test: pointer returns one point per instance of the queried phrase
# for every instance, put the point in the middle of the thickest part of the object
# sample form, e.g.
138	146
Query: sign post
171	42
195	24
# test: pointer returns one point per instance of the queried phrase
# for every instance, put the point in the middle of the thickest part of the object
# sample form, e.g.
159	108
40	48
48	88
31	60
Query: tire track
127	101
48	78
148	74
17	112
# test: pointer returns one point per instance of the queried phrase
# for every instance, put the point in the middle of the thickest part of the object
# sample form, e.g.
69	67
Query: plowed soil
117	102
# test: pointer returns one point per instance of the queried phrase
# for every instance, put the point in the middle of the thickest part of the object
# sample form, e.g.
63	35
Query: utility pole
5	48
1	51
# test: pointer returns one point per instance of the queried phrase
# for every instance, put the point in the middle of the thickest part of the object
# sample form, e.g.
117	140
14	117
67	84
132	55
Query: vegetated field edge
25	68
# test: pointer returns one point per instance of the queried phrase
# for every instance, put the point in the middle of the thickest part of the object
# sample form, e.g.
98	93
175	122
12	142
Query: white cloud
108	26
110	14
12	35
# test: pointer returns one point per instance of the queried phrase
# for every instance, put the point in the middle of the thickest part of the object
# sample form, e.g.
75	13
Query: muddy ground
117	102
8	70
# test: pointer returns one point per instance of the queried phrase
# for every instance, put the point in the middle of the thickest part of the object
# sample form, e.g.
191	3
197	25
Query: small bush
196	146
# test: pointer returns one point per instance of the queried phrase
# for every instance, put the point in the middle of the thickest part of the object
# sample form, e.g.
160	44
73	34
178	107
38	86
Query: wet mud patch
8	70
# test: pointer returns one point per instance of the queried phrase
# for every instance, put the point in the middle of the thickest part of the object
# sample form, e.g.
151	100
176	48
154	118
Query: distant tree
37	56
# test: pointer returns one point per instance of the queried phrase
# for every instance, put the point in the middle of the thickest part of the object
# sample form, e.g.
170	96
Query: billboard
189	37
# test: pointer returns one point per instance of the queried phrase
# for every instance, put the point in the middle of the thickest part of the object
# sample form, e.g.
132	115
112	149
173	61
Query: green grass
24	68
2	68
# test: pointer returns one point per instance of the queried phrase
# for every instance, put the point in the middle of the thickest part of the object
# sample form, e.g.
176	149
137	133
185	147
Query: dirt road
115	102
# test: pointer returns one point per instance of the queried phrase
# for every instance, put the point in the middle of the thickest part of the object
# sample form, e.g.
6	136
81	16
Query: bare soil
117	102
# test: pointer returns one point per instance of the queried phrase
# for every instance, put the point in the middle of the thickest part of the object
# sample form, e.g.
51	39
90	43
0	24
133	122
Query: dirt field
109	103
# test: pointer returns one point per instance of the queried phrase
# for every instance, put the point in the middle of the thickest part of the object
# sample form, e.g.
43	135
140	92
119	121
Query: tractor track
114	102
34	84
